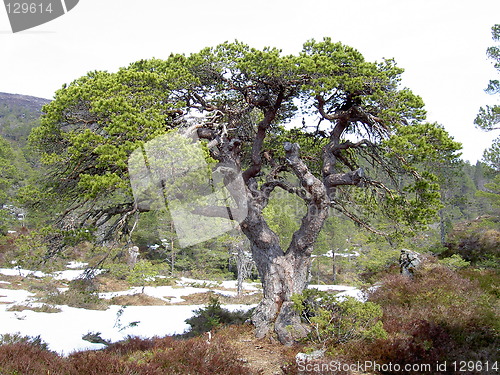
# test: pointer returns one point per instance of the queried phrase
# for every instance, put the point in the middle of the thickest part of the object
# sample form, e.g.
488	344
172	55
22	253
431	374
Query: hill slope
18	115
31	103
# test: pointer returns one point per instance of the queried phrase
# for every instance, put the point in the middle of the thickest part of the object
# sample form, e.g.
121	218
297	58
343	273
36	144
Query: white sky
440	43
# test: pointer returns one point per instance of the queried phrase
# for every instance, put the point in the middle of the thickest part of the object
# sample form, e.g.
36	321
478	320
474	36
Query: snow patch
77	265
63	331
68	275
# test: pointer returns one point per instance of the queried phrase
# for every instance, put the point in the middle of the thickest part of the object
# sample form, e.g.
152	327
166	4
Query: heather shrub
487	279
15	338
30	358
169	355
134	356
476	241
197	356
416	342
436	294
102	363
438	315
133	344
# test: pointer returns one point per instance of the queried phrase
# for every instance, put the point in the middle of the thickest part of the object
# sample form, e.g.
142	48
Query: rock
303	357
409	261
95	338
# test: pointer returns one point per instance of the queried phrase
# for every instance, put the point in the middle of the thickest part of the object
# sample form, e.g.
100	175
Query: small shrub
143	273
213	316
82	293
336	321
377	260
454	262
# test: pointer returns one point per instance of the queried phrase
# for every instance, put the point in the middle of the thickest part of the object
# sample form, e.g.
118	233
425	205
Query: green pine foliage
214	316
95	123
334	321
488	117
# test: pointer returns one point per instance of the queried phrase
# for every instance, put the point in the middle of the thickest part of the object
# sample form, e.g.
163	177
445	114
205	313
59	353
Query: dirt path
261	354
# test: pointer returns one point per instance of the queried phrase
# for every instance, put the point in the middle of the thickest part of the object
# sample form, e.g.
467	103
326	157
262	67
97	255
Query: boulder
409	261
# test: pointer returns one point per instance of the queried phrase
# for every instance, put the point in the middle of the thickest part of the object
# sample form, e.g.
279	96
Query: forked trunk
284	273
282	276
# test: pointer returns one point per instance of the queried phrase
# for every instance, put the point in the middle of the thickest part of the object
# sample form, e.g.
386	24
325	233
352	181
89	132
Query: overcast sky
441	44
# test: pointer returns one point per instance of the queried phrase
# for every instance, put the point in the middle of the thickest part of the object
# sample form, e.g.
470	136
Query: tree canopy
488	117
372	126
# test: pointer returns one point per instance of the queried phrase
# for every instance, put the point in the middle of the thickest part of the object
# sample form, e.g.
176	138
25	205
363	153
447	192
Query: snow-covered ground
63	331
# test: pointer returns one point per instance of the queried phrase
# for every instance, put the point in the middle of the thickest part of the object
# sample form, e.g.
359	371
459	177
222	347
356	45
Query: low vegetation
443	313
132	356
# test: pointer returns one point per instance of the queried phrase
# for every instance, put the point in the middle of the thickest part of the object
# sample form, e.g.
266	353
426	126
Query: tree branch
357	220
348	144
356	178
321	109
317	208
268	187
270	114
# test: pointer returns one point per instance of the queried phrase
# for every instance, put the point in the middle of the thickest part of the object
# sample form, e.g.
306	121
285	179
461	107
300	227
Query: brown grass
205	297
43	308
139	299
107	283
15	282
33	284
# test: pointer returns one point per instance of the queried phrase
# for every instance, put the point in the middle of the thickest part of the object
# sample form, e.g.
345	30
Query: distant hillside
18	115
31	103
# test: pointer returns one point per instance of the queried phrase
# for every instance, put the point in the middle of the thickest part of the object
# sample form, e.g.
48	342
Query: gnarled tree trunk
284	273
